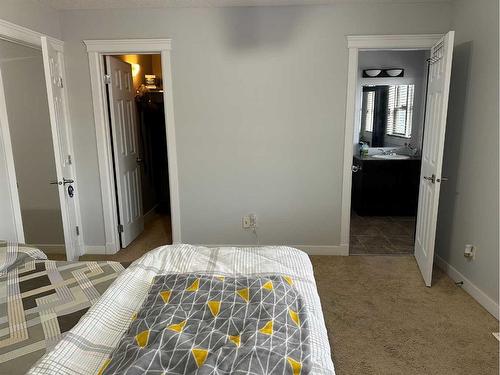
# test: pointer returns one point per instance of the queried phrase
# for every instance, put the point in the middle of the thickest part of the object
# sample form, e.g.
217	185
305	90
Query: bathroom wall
415	66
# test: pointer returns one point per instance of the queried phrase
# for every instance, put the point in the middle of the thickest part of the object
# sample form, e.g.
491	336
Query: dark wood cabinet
385	187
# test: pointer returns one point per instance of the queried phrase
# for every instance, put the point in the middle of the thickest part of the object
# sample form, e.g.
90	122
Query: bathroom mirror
387	115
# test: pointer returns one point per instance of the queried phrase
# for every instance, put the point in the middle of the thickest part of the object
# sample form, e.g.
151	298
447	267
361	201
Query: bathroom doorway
435	110
387	151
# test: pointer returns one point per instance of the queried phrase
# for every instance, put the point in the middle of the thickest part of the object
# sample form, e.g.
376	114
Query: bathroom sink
391	156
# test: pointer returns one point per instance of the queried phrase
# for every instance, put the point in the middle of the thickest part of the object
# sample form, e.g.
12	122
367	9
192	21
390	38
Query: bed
90	346
40	300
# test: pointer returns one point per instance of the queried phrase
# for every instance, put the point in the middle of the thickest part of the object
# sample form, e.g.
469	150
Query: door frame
356	43
96	50
29	38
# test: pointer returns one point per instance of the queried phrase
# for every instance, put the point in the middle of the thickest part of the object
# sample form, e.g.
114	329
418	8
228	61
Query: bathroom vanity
385	185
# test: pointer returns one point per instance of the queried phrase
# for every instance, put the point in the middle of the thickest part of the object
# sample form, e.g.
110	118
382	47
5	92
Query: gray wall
31	140
31	14
469	200
259	97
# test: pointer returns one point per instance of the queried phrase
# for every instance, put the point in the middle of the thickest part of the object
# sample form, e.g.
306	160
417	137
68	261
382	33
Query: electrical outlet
249	221
470	252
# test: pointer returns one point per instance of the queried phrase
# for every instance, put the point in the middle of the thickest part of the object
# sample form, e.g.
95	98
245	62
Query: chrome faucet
386	152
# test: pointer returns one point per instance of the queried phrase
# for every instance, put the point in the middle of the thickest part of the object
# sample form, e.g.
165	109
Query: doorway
387	151
436	105
32	146
14	199
134	89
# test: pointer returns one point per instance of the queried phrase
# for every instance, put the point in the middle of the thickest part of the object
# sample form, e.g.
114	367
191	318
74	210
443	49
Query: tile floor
382	234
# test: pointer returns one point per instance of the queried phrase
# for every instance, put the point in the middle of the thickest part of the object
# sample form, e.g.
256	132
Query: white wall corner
484	300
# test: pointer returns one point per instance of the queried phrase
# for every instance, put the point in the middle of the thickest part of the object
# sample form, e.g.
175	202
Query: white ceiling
114	4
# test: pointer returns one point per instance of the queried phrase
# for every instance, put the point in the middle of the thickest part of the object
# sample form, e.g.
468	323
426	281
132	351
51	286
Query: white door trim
96	49
355	44
29	38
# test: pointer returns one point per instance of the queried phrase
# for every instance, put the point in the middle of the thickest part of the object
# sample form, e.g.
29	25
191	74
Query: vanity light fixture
394	72
383	73
372	72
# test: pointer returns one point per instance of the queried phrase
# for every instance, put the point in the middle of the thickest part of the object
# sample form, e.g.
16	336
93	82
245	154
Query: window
370	104
400	110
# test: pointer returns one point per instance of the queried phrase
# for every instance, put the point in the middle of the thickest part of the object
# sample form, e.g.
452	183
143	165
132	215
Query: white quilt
86	347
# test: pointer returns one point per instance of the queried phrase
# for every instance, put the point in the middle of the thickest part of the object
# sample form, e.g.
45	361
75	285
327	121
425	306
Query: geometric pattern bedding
40	300
211	324
88	346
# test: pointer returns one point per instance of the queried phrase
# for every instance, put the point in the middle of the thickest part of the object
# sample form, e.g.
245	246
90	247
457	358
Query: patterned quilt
41	299
210	324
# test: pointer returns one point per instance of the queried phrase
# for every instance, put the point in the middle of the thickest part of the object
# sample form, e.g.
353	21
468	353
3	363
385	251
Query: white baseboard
489	304
309	249
97	250
51	248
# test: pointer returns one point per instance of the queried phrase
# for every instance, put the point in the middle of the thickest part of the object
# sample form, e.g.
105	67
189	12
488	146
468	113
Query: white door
432	153
125	149
56	94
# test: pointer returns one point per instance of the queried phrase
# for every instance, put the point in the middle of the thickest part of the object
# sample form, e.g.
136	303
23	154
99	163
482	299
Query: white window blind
400	110
370	106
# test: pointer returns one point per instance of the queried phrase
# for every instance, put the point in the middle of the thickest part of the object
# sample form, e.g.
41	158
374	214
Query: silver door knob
442	179
68	181
355	168
55	182
431	178
138	160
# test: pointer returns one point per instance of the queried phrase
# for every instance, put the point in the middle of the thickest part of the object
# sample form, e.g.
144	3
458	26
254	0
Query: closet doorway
134	93
97	51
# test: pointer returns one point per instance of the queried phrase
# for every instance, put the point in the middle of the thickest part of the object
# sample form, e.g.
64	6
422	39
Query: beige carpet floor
381	319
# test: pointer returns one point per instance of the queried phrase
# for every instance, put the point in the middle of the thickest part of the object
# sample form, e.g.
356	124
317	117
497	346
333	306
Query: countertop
370	157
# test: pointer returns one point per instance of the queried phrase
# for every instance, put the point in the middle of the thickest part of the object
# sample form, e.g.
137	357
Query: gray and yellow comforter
211	324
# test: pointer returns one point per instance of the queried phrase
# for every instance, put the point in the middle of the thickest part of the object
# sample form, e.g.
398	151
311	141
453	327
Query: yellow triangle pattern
177	327
267	329
200	355
104	366
288	279
214	307
296	366
221	278
235	339
165	295
295	317
194	286
142	338
244	293
268	285
134	316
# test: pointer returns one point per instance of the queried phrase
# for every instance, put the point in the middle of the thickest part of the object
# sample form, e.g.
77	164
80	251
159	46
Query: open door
123	116
432	153
61	138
